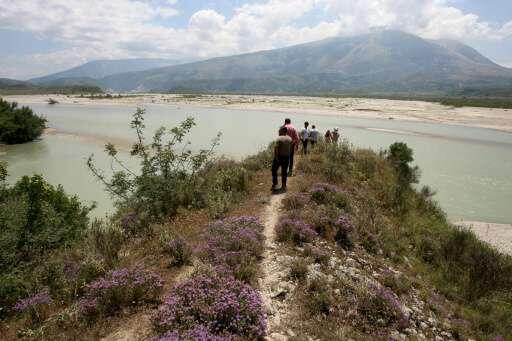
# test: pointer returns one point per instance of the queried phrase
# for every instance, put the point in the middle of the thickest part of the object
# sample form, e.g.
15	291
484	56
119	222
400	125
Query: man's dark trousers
283	163
305	147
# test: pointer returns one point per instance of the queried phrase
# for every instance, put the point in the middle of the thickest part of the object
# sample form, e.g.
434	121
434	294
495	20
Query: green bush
321	298
170	176
19	125
106	241
36	218
400	156
299	269
224	181
477	267
261	160
12	288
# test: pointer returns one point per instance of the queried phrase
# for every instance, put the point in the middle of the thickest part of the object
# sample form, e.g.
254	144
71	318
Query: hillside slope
384	61
102	68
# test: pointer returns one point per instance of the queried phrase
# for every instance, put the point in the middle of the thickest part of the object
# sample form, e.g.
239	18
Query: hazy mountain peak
381	61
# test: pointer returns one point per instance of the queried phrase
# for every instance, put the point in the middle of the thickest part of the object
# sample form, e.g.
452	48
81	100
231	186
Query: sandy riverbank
498	235
491	118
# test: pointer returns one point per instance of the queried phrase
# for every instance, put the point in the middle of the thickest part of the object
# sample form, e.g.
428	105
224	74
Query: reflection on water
469	167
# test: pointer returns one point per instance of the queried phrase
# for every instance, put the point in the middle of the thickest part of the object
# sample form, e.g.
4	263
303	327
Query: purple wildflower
296	201
71	271
221	305
498	338
168	336
323	193
392	301
129	222
33	301
343	227
179	250
344	222
120	287
199	333
295	230
232	243
324	187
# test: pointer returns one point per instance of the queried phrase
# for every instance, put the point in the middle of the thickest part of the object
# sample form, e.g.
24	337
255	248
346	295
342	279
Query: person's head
306	124
283	131
287	121
313	126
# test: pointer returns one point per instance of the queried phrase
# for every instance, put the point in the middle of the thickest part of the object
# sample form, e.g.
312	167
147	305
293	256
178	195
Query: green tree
19	125
170	173
37	218
401	156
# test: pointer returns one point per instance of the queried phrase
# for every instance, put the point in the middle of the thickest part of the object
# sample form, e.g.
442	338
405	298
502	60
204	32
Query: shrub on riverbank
19	125
36	220
171	176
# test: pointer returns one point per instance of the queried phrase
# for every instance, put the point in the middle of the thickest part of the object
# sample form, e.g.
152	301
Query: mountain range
91	71
385	61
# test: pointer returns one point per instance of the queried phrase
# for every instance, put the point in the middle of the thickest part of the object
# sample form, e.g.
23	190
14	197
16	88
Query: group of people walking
287	145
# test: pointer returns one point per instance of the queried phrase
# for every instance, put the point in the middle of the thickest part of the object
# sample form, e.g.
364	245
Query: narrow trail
272	286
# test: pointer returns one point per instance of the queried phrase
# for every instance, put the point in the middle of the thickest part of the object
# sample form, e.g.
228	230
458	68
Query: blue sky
44	36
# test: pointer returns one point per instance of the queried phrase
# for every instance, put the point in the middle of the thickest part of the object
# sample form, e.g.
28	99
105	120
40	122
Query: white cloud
129	28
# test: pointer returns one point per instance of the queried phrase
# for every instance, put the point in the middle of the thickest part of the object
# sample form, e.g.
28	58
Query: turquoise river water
470	168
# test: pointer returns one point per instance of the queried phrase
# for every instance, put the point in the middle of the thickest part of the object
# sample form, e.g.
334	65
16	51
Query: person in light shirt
335	136
313	136
304	138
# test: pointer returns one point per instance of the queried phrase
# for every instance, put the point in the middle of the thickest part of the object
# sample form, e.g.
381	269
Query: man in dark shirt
292	132
282	151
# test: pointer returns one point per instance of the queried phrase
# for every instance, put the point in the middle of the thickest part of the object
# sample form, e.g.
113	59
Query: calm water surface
470	168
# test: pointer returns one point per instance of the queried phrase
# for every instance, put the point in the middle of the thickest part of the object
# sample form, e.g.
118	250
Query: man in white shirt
304	138
313	136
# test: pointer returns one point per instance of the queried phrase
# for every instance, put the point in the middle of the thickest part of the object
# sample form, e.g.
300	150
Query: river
470	168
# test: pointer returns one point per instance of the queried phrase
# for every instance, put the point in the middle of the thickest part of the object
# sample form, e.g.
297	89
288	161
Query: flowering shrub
120	287
295	231
324	193
220	305
295	201
71	271
384	305
325	226
34	305
318	254
343	227
179	251
234	244
198	333
130	222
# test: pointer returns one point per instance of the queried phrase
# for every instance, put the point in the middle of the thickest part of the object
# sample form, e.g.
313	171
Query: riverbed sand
497	235
491	118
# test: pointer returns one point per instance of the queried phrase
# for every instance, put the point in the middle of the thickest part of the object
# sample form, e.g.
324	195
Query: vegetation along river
470	168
